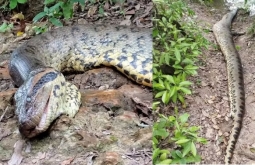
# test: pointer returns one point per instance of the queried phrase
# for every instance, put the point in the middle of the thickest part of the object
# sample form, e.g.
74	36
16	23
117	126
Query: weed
13	3
176	131
5	27
177	43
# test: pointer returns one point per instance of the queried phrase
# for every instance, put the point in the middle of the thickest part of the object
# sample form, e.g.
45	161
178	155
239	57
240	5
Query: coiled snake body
235	78
35	66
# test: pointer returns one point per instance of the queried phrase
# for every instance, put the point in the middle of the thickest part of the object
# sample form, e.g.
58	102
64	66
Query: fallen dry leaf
68	161
92	11
17	156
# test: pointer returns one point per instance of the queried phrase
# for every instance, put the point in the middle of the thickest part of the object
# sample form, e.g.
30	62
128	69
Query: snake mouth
36	123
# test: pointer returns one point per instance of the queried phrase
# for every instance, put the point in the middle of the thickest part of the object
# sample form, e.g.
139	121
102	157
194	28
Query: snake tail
222	32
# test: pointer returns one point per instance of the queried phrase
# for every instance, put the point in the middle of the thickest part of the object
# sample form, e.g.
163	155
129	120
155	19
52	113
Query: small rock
209	133
111	158
220	133
216	127
82	21
210	101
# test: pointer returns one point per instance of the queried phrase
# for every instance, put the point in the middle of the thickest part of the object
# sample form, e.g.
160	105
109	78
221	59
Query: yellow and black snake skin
224	38
36	67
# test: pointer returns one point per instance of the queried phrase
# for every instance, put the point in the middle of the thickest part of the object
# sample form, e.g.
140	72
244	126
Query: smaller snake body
224	38
36	67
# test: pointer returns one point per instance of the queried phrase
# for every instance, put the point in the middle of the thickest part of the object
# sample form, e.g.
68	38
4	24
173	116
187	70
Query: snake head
40	100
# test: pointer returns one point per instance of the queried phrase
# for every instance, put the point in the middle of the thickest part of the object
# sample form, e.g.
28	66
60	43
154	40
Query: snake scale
36	67
224	38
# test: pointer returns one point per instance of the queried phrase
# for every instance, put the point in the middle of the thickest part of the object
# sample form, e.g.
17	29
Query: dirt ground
113	125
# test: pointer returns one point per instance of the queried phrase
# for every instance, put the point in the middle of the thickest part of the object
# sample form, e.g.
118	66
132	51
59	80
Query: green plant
177	44
179	135
40	29
5	27
58	10
171	87
14	3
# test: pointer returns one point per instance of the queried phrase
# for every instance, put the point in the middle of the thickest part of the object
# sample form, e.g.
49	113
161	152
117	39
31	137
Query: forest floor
113	125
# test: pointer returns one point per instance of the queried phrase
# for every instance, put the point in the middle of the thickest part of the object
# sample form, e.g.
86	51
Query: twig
4	113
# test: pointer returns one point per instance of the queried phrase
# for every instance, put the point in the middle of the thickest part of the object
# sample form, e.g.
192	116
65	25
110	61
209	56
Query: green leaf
82	2
184	118
187	61
184	90
193	159
159	94
165	151
174	97
156	153
185	83
173	91
182	141
155	32
165	162
67	10
167	85
166	97
193	149
22	1
158	86
176	124
163	156
178	153
39	16
46	2
161	83
164	20
177	54
167	59
155	140
192	134
3	27
180	97
161	132
190	67
173	154
13	4
55	8
202	140
101	10
171	118
193	128
55	21
177	66
186	149
169	78
162	123
178	135
155	105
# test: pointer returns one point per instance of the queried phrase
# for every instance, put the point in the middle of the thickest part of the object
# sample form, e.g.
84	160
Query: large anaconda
235	78
36	67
